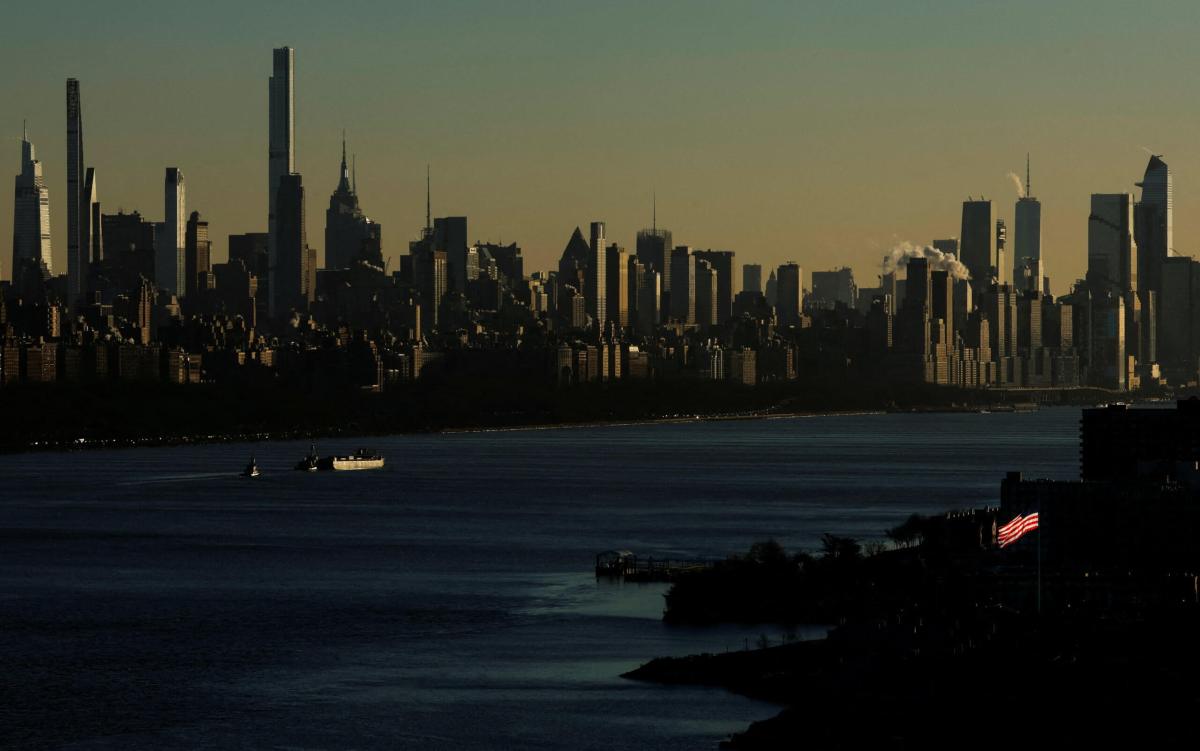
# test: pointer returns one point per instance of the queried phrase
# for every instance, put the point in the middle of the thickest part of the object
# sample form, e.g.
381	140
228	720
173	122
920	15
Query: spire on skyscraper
428	212
1027	174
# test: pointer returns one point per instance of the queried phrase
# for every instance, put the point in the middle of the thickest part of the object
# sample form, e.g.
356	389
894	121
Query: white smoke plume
899	256
1016	180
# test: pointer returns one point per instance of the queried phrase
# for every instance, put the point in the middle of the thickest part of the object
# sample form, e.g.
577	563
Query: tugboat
361	459
251	469
309	463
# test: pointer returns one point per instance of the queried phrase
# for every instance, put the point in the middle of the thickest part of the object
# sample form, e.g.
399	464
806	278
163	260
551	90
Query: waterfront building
281	155
31	215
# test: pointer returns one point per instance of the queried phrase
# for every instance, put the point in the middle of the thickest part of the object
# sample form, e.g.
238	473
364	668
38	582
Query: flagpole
1039	562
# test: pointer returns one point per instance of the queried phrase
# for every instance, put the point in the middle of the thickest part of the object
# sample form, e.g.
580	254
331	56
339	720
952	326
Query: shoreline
96	444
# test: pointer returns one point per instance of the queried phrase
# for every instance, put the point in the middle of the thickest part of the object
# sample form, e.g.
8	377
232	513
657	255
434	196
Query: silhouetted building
723	267
978	243
31	214
790	294
281	155
289	284
683	285
752	278
597	279
78	214
197	257
169	265
349	234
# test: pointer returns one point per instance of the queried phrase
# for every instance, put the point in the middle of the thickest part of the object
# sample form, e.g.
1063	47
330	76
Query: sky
821	133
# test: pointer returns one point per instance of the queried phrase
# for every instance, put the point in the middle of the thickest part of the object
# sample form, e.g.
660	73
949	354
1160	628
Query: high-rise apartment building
31	215
78	215
281	151
168	257
597	279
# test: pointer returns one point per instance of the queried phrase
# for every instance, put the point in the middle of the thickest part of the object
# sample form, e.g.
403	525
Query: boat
251	469
309	463
361	459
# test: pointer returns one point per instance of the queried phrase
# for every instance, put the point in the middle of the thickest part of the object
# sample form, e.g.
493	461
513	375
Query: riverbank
986	679
132	415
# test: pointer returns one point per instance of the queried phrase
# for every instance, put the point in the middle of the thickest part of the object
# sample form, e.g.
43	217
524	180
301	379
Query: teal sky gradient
821	133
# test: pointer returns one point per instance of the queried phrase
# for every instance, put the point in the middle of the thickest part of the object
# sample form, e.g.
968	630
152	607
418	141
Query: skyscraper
1027	256
790	300
291	249
683	285
78	215
1154	232
617	298
93	241
724	267
31	214
168	256
349	234
978	243
197	257
752	277
281	151
597	279
450	235
1112	252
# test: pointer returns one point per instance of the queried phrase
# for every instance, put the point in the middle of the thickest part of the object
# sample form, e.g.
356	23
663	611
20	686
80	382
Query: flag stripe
1017	528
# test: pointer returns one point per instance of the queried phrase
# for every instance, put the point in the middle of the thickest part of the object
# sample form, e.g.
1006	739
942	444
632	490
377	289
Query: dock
624	564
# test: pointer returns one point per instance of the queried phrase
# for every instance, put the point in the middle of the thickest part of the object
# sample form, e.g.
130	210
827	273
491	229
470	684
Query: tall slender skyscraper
281	151
1028	271
78	215
169	255
597	279
31	214
93	241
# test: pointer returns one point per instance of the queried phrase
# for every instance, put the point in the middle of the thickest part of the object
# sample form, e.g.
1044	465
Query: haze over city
821	134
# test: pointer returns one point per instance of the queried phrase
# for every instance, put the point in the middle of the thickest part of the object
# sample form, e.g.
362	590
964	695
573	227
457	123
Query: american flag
1015	529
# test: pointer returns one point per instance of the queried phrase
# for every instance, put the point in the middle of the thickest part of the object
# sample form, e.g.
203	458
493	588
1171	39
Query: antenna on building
654	212
428	223
1027	193
343	147
24	130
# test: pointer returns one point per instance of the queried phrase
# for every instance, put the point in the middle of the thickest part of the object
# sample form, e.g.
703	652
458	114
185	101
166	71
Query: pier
624	564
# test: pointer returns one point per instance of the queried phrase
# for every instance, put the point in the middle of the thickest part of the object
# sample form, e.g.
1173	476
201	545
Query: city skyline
520	178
